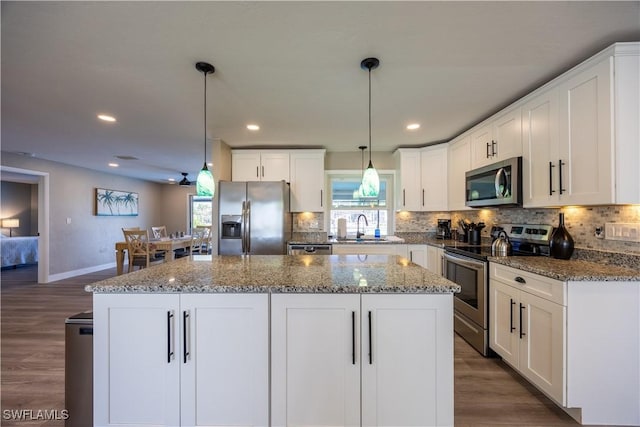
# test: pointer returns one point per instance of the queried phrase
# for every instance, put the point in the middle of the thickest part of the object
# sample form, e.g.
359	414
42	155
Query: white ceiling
291	67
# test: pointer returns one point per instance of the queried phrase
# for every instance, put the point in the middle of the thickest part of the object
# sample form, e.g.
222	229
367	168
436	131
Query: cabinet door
418	254
245	165
459	164
307	181
542	351
409	194
434	259
274	166
434	178
481	146
225	359
407	360
540	150
315	362
136	362
507	135
370	249
504	322
585	136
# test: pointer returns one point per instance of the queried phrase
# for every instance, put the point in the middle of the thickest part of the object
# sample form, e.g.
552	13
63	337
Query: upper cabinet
421	183
257	165
499	139
459	163
307	180
580	134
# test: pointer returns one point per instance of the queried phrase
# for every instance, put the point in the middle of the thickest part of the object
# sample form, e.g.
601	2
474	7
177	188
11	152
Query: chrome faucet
358	233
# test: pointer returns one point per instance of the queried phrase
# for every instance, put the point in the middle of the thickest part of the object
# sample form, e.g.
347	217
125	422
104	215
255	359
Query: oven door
471	275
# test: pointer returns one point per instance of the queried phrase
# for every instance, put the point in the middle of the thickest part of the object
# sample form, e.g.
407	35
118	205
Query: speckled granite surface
571	270
280	274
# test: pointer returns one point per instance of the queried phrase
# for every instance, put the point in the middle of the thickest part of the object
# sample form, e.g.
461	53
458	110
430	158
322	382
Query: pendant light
205	185
358	193
370	179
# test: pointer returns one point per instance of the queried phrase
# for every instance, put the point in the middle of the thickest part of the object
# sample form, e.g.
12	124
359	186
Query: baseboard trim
80	272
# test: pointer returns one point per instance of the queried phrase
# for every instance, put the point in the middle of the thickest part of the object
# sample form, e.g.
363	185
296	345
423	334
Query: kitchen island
274	340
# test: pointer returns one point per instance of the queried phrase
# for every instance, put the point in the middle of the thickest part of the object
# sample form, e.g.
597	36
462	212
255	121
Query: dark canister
561	243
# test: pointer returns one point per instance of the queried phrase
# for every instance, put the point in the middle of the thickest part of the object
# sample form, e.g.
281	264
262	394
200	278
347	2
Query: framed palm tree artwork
116	203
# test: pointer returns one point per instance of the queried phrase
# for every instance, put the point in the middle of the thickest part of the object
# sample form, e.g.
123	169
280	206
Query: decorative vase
561	243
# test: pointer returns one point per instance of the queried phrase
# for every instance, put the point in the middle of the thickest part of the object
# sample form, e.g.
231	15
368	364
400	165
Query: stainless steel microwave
498	184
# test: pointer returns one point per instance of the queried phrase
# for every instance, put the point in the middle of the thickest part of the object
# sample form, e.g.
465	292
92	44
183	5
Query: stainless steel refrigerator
254	218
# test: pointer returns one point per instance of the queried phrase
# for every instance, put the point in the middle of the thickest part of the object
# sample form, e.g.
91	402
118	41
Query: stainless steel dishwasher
78	369
311	249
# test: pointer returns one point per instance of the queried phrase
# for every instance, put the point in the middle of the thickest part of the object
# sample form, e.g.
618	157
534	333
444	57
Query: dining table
167	244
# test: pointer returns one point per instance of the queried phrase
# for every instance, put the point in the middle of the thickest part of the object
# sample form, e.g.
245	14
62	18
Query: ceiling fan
184	180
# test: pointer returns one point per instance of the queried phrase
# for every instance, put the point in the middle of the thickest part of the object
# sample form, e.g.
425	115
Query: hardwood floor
487	391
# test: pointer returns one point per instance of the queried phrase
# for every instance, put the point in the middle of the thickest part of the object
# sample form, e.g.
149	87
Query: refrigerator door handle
243	227
248	226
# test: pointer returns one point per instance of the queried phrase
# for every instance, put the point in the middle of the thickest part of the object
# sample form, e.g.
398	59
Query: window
345	203
201	211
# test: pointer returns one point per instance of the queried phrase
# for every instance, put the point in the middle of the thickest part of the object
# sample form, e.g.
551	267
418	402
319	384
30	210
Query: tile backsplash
580	221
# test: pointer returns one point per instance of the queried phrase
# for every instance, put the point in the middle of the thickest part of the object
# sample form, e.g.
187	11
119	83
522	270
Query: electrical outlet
599	233
627	232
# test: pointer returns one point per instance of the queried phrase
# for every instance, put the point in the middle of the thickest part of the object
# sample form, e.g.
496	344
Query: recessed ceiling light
413	126
106	118
210	164
172	180
253	127
114	165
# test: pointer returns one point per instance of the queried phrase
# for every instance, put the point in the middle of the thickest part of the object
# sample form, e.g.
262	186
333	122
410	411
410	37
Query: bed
19	250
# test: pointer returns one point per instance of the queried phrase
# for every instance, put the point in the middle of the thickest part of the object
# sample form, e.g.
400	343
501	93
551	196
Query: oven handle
476	265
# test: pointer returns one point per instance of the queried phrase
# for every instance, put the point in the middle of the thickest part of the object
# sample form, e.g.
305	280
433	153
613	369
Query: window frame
388	175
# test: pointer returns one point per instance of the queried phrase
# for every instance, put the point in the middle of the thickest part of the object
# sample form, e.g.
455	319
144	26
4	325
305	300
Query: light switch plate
628	232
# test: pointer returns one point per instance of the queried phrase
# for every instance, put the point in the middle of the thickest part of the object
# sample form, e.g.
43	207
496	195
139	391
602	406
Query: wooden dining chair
140	250
159	232
200	237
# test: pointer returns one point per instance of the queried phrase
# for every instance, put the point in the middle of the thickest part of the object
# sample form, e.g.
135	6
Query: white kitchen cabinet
434	184
421	183
370	249
434	259
307	180
147	373
581	134
387	357
459	164
315	360
499	139
528	326
418	254
257	165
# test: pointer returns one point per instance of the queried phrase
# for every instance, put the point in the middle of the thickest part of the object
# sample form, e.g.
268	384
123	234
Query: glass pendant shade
370	182
205	185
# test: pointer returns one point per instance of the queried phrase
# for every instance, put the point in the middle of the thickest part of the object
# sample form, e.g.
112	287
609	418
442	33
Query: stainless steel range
467	265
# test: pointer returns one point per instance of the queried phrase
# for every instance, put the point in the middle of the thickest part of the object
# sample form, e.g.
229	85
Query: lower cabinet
528	330
418	254
434	259
385	358
189	359
370	249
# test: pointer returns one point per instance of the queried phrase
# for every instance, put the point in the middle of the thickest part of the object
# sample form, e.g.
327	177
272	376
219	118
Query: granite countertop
280	274
574	270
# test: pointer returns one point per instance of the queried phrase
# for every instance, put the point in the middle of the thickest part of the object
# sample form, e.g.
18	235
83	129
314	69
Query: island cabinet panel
315	362
147	373
225	360
407	360
387	357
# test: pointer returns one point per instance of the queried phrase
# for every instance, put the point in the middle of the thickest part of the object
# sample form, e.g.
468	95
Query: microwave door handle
502	193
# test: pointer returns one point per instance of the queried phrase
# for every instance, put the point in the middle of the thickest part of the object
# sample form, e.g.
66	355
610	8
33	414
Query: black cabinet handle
169	340
560	164
257	171
551	190
321	201
513	328
185	336
404	199
520	279
522	307
370	341
263	171
494	144
423	197
353	337
488	150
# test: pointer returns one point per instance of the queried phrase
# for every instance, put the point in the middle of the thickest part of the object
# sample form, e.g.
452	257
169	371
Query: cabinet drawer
544	287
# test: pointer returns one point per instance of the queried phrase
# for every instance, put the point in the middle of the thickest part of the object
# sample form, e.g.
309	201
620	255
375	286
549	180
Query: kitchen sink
363	240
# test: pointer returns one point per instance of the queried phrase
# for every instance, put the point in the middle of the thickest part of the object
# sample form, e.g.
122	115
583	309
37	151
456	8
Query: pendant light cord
369	115
205	118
